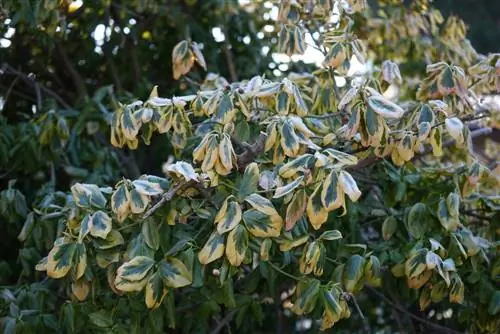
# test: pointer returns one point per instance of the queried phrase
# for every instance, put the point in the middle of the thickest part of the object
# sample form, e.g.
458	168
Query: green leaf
353	272
213	249
286	189
331	235
494	304
457	290
100	225
175	273
80	260
262	225
418	219
101	319
28	226
85	227
250	180
130	125
236	245
389	226
150	231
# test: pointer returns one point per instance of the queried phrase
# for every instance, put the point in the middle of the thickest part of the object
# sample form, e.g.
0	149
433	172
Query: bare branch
166	197
225	321
251	151
442	329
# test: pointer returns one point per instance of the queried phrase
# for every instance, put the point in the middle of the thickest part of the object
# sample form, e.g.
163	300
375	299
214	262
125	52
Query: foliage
288	199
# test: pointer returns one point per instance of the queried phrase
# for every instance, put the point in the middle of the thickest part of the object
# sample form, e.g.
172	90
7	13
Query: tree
324	199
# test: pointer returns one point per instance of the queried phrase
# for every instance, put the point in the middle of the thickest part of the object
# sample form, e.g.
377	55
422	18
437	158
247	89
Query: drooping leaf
295	209
155	291
353	272
236	245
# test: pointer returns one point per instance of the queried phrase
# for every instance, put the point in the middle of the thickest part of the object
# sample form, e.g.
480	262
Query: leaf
331	235
150	231
147	188
120	202
138	202
28	226
288	188
175	273
438	292
316	213
349	186
418	219
307	294
295	209
384	107
283	103
226	152
134	270
60	260
332	196
101	319
332	306
456	289
230	219
129	124
155	291
494	304
289	140
416	264
436	142
353	272
198	55
455	128
250	180
87	195
213	249
389	226
85	227
80	259
453	204
236	245
100	225
299	164
113	239
262	225
287	245
80	290
336	55
447	221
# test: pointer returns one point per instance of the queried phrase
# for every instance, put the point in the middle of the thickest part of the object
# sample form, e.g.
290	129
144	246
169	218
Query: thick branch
251	151
225	321
81	90
166	197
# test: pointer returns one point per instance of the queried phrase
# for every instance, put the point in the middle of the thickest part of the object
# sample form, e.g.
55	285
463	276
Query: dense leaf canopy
168	169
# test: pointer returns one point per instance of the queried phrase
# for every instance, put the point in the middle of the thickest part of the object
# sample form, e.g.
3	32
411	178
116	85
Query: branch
251	151
166	197
225	321
81	90
29	80
229	58
442	329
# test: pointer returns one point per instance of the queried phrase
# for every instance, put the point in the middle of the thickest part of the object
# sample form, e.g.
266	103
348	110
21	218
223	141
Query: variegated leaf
295	209
120	202
262	225
230	219
288	188
155	291
236	245
316	213
100	224
384	107
332	196
213	249
175	273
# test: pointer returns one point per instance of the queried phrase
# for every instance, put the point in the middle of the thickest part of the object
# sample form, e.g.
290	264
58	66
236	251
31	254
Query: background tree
289	202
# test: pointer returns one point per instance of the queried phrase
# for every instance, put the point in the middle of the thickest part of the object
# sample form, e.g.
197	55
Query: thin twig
30	81
225	321
411	315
